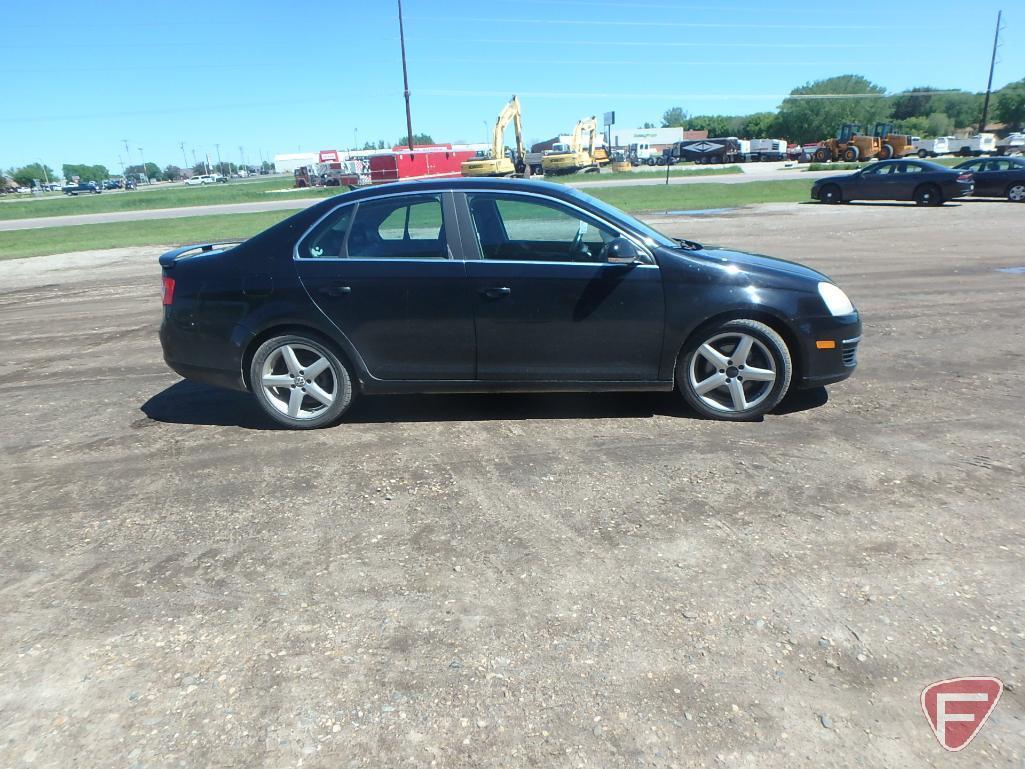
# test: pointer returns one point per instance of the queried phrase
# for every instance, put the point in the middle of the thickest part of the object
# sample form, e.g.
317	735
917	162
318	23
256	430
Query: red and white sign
329	156
958	707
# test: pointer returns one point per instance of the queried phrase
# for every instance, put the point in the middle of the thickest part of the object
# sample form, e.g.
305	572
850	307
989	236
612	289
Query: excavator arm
510	112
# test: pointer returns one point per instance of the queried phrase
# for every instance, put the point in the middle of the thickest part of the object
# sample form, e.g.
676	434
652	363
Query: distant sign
329	156
610	119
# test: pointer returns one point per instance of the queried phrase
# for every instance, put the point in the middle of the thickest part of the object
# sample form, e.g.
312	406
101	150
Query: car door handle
496	292
336	290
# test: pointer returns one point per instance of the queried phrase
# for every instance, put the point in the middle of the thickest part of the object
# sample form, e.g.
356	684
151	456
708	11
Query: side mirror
622	251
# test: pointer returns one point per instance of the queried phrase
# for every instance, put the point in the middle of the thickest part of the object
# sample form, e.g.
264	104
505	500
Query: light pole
46	176
185	159
485	122
142	162
220	166
128	153
242	155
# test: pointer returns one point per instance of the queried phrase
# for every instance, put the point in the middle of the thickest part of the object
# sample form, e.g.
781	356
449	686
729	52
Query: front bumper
822	364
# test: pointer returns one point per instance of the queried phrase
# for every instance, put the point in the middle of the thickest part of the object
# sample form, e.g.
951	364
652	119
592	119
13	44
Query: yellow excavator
498	164
577	156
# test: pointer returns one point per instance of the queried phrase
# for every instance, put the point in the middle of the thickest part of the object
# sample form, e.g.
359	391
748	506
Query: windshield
656	237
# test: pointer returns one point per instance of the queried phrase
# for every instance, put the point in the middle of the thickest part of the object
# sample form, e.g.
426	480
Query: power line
520	43
677	24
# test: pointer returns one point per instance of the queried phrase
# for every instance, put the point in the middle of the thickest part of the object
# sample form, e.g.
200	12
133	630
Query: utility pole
194	161
220	165
185	159
989	85
128	153
405	80
142	162
242	155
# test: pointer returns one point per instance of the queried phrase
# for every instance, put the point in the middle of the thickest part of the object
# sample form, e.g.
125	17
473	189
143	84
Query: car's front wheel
300	382
831	194
736	371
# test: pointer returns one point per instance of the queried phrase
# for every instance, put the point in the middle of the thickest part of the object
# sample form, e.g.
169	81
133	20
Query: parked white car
195	181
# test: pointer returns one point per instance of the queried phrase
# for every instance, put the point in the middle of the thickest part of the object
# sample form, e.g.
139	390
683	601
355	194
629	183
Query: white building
287	163
663	137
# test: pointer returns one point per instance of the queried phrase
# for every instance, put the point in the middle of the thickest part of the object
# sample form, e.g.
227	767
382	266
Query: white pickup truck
965	146
1012	144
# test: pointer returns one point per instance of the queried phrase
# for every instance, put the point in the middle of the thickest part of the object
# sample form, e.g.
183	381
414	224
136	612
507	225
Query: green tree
816	110
172	173
151	171
85	173
25	175
1009	107
759	125
674	117
915	102
964	108
648	125
716	125
419	140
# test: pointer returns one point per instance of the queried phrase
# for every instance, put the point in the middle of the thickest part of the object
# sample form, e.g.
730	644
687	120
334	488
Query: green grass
679	197
673	172
87	237
174	195
645	198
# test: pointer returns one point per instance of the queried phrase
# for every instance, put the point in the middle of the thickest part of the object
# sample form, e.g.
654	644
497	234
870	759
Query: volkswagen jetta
485	285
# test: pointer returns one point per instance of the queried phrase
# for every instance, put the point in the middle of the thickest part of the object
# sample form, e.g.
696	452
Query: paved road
288	204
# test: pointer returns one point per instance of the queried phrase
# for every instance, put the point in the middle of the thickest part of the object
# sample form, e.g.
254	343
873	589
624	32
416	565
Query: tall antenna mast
405	81
989	85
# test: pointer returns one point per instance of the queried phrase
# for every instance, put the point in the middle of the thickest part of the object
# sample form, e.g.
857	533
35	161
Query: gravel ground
521	581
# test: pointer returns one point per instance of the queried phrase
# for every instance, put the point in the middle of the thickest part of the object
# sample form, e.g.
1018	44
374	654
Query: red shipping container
437	161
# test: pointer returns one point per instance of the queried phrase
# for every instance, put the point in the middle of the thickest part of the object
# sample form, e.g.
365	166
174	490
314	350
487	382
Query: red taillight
167	290
965	176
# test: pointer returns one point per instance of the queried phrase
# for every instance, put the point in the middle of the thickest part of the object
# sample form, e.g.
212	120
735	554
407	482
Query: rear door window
406	227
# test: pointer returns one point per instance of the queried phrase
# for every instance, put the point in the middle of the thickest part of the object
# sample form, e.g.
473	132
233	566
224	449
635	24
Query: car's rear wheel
300	382
923	154
928	195
736	371
831	194
1016	193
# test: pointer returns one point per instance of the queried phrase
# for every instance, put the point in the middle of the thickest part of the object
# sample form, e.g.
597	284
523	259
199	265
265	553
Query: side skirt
384	387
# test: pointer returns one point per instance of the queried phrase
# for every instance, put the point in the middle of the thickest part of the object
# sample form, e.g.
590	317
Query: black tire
1016	192
831	194
306	348
928	195
923	154
851	154
886	152
822	155
650	161
768	348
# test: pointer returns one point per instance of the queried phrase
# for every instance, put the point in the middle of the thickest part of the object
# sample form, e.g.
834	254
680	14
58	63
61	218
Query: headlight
836	300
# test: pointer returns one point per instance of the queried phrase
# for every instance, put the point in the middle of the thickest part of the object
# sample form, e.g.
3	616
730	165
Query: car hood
835	178
764	264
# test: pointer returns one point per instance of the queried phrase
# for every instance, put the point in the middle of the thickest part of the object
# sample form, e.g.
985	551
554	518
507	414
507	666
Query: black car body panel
994	177
896	180
460	323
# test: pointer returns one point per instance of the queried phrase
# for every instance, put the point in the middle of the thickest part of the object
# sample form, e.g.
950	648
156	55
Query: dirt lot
521	581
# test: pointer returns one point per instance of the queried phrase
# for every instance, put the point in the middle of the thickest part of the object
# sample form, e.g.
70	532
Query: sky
260	77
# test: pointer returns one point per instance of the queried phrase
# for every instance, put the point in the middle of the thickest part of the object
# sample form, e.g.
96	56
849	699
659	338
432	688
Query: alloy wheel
732	372
299	381
1017	193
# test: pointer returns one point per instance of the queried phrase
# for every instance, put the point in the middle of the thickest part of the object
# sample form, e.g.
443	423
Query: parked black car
926	183
74	189
482	285
998	177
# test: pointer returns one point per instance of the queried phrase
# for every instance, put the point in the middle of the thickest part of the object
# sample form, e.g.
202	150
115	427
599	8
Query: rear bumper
829	364
204	357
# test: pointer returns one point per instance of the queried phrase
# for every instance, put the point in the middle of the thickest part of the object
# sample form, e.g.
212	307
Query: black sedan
488	285
998	177
928	184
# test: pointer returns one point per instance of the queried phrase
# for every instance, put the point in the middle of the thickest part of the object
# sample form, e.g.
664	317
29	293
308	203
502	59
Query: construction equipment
891	145
499	164
844	146
578	156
